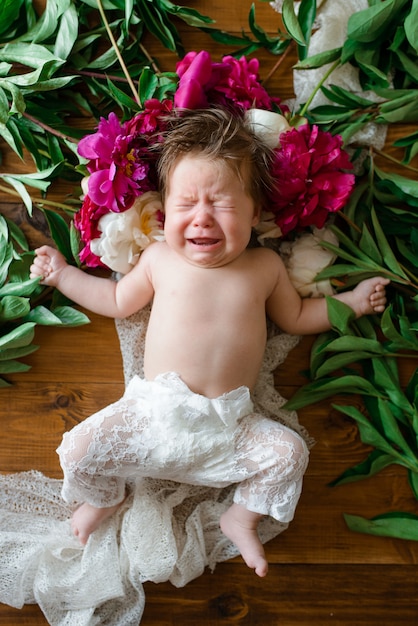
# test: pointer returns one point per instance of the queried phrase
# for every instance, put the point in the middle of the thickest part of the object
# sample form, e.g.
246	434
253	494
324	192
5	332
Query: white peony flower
305	258
84	186
267	227
267	125
125	235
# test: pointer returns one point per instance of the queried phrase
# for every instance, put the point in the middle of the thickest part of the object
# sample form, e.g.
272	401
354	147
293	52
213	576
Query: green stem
49	129
278	63
387	156
40	201
150	59
100	76
318	87
117	51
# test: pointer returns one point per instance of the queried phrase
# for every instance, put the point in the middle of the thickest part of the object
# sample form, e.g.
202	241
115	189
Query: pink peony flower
198	76
310	180
151	119
86	221
233	82
119	162
242	85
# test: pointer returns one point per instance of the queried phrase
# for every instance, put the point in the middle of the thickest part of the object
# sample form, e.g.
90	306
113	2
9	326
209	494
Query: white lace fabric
164	531
161	429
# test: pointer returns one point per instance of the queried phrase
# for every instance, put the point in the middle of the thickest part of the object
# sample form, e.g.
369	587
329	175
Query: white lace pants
161	429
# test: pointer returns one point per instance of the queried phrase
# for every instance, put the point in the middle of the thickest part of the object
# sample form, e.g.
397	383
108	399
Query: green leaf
326	387
411	391
43	316
11	136
306	18
122	98
368	245
16	234
18	103
24	288
404	188
338	94
413	482
386	378
4	107
188	15
291	22
9	13
44	28
368	61
340	315
159	25
31	55
18	337
6	257
59	316
318	60
17	353
67	32
384	247
398	525
351	343
69	316
339	361
370	24
148	83
39	180
390	331
60	233
21	189
13	307
404	114
408	65
13	367
391	429
411	26
354	249
369	434
374	463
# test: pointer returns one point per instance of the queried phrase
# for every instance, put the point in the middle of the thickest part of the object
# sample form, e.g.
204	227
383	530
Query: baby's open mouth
204	242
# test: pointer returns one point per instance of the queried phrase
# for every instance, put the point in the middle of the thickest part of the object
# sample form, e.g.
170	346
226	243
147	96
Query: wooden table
320	572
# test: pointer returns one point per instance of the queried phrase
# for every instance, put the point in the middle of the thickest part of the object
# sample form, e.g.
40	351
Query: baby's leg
240	526
272	460
87	518
96	461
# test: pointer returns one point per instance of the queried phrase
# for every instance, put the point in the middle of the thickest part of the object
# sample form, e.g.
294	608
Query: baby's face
208	213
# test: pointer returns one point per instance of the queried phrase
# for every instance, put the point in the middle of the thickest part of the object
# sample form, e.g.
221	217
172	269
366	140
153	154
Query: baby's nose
203	216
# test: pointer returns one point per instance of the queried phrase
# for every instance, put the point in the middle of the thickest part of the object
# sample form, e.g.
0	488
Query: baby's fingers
40	267
378	299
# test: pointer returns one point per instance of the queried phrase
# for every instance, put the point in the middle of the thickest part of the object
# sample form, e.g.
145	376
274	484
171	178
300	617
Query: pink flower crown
121	212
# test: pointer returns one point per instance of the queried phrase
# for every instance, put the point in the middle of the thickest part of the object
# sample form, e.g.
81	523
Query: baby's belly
208	372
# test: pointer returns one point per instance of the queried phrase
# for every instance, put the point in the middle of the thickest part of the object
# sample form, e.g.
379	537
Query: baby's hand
47	263
370	296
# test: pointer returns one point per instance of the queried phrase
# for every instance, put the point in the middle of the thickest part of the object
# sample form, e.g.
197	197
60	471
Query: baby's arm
305	316
99	295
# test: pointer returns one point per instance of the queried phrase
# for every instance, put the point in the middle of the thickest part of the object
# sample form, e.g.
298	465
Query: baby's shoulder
154	252
265	258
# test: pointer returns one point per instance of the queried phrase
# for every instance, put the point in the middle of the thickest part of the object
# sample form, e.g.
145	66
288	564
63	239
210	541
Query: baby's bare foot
240	526
87	518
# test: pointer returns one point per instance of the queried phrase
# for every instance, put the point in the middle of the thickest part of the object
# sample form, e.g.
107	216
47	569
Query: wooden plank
291	595
302	596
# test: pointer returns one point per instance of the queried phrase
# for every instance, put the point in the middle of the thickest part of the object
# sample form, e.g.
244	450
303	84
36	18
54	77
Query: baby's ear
257	214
